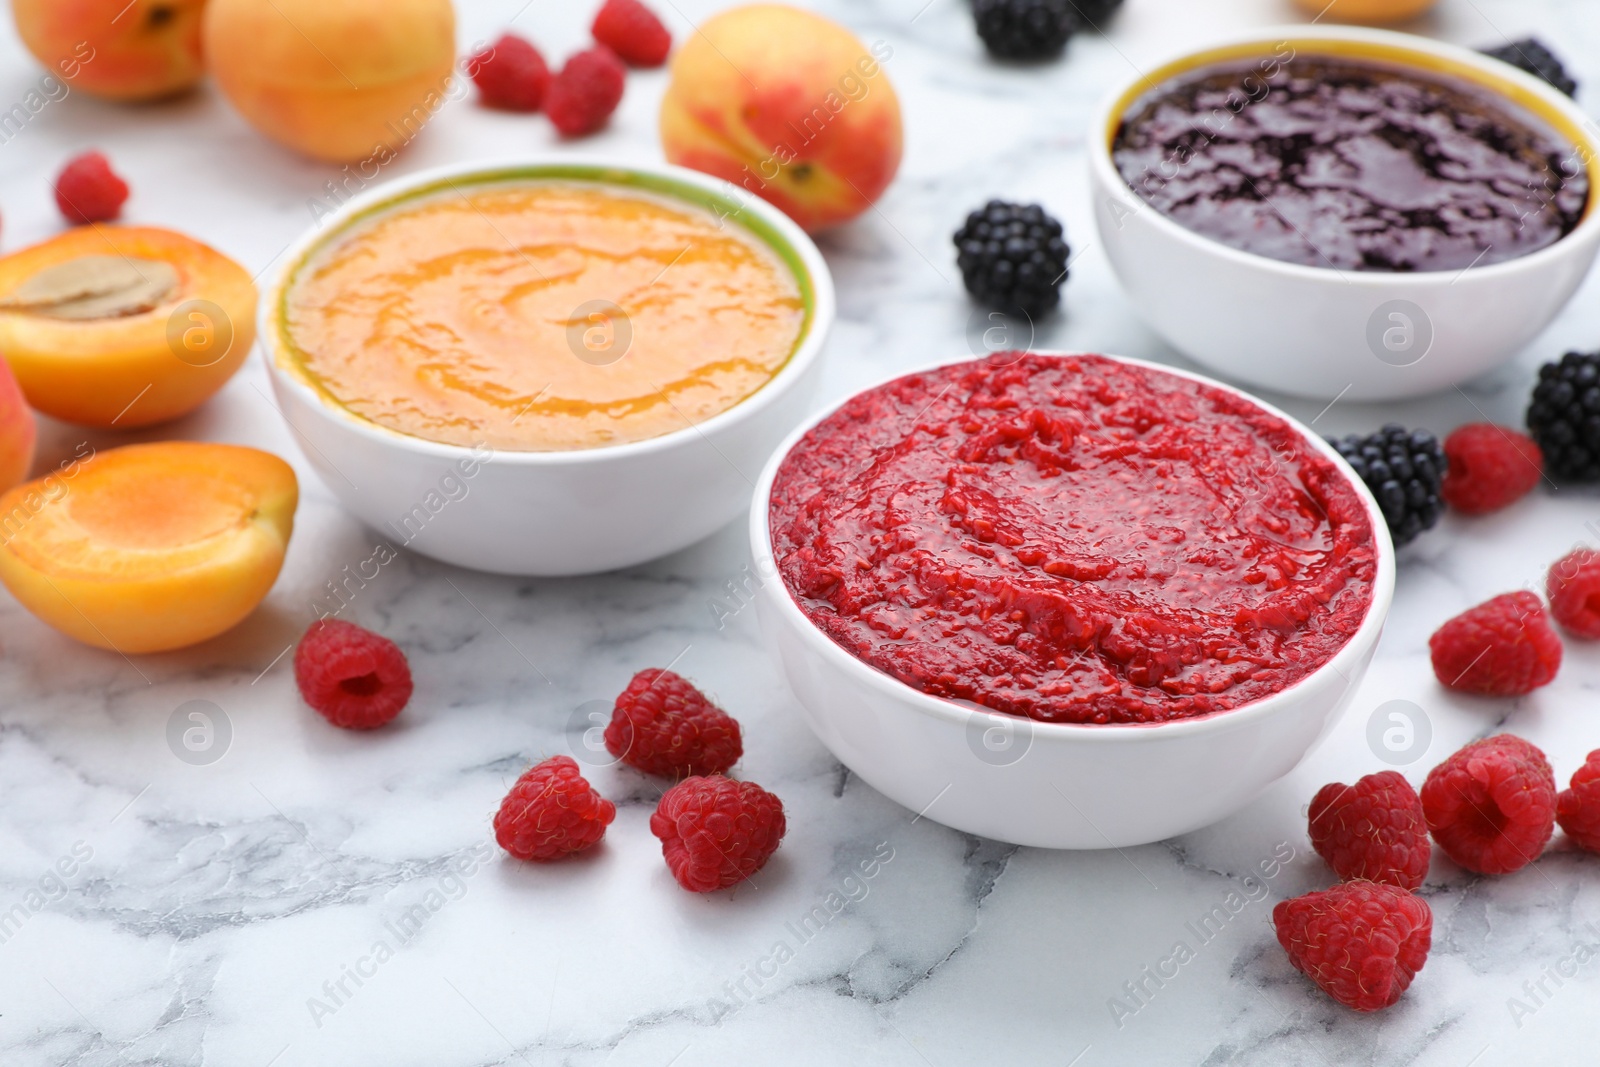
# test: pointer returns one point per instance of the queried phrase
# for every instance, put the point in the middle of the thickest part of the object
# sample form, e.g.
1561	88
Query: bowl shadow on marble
1057	785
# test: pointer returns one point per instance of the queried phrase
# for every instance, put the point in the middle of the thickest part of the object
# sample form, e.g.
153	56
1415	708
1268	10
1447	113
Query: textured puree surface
1351	165
460	318
1073	539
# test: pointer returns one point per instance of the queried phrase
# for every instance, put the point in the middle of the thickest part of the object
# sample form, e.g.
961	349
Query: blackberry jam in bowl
1341	211
1071	601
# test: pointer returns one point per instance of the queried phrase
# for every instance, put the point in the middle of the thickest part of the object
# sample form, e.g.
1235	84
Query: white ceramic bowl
1322	333
1048	784
553	513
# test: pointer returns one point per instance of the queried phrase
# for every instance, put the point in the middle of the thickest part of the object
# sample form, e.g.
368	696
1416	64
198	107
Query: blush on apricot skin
766	136
148	548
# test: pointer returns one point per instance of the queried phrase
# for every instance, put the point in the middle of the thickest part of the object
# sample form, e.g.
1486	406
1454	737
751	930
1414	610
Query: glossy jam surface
477	317
1350	165
1073	539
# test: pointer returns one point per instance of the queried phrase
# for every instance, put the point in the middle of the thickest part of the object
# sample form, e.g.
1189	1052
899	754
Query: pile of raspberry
1492	807
1506	646
715	831
511	74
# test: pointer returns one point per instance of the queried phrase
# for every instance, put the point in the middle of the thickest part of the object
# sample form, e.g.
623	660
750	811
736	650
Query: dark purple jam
1351	165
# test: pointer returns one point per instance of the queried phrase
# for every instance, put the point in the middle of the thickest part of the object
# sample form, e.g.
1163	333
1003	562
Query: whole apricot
18	430
117	49
789	105
149	547
123	326
1377	12
339	81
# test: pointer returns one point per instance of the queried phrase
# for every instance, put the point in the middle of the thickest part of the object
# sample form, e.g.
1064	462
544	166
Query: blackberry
1531	56
1403	468
1013	256
1094	12
1025	29
1564	417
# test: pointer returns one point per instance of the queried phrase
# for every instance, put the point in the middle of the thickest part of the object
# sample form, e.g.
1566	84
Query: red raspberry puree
1073	539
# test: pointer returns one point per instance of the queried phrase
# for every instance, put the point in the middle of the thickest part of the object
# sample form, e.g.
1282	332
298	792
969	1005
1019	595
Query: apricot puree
472	316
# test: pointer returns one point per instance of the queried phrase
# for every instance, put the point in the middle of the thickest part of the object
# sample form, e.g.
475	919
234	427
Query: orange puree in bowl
461	317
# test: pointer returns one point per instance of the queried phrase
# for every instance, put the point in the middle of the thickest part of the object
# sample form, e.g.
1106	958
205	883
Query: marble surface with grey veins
293	895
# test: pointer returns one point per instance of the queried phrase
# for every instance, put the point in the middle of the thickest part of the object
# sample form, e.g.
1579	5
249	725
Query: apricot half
17	432
123	326
147	548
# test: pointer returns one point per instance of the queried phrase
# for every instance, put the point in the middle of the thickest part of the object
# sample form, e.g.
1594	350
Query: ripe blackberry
1533	57
1013	256
1564	417
1025	29
1094	12
1404	469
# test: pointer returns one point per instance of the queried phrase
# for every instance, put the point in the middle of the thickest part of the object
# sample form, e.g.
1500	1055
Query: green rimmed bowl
556	512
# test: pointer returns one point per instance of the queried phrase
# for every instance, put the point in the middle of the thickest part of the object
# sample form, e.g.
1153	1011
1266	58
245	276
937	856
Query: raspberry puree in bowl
1075	539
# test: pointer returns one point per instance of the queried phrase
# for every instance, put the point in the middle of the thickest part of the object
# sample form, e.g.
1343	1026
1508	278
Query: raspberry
355	678
510	74
1504	647
1492	805
1361	942
633	32
552	812
663	725
586	92
88	190
1574	589
1372	830
1578	808
716	832
1488	467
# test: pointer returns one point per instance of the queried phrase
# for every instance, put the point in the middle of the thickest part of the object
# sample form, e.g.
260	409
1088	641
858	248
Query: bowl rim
800	247
1113	106
1349	655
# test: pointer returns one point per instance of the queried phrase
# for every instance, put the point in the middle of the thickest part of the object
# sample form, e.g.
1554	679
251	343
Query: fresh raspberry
633	32
1488	467
1492	805
355	678
88	190
1578	808
1372	830
1361	942
1504	647
1574	589
552	812
510	74
663	725
716	832
586	92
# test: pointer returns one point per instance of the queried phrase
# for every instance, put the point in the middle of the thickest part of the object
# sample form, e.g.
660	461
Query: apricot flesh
148	548
116	49
341	82
18	431
128	370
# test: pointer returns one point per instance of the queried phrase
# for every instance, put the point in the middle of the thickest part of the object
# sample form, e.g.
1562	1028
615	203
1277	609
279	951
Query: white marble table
231	913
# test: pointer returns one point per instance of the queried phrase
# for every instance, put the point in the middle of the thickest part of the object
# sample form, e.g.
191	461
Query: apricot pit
123	326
